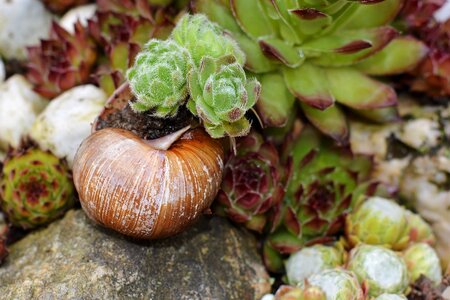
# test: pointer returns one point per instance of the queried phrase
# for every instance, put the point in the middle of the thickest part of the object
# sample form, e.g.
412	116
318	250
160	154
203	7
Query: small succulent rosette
311	260
35	187
159	78
380	269
422	259
253	183
378	221
337	283
221	94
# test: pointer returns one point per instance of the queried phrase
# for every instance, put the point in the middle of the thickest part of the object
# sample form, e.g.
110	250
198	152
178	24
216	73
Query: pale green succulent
221	94
391	297
421	259
378	221
380	268
338	284
312	260
158	78
203	38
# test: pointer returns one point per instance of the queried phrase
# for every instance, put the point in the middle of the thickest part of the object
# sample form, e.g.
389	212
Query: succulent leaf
159	78
358	91
331	121
274	113
310	85
393	59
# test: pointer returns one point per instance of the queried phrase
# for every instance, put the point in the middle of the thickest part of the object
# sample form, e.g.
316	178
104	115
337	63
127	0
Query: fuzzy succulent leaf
253	183
35	188
202	38
382	269
221	94
159	78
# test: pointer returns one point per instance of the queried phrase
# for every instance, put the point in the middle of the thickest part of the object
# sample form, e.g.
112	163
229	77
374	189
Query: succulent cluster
319	205
201	59
323	53
369	268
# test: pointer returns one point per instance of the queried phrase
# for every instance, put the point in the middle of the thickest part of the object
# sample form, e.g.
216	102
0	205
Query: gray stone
75	259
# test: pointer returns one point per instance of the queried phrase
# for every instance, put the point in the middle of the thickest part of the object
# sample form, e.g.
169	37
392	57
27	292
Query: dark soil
145	125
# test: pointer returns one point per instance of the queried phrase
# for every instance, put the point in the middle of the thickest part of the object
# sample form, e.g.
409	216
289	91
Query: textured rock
75	259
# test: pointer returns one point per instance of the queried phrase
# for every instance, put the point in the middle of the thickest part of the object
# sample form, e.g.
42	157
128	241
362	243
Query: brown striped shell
127	185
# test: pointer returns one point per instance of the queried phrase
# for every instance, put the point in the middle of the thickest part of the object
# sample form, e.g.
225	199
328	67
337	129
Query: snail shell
127	184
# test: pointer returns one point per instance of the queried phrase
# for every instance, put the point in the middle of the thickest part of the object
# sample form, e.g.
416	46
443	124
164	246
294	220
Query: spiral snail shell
147	189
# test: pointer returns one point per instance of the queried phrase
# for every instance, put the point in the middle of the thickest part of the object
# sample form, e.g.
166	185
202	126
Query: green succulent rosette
422	259
203	38
391	297
221	94
311	260
381	269
338	284
324	53
378	221
35	188
158	78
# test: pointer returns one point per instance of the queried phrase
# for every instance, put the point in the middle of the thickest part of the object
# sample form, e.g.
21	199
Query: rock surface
75	259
